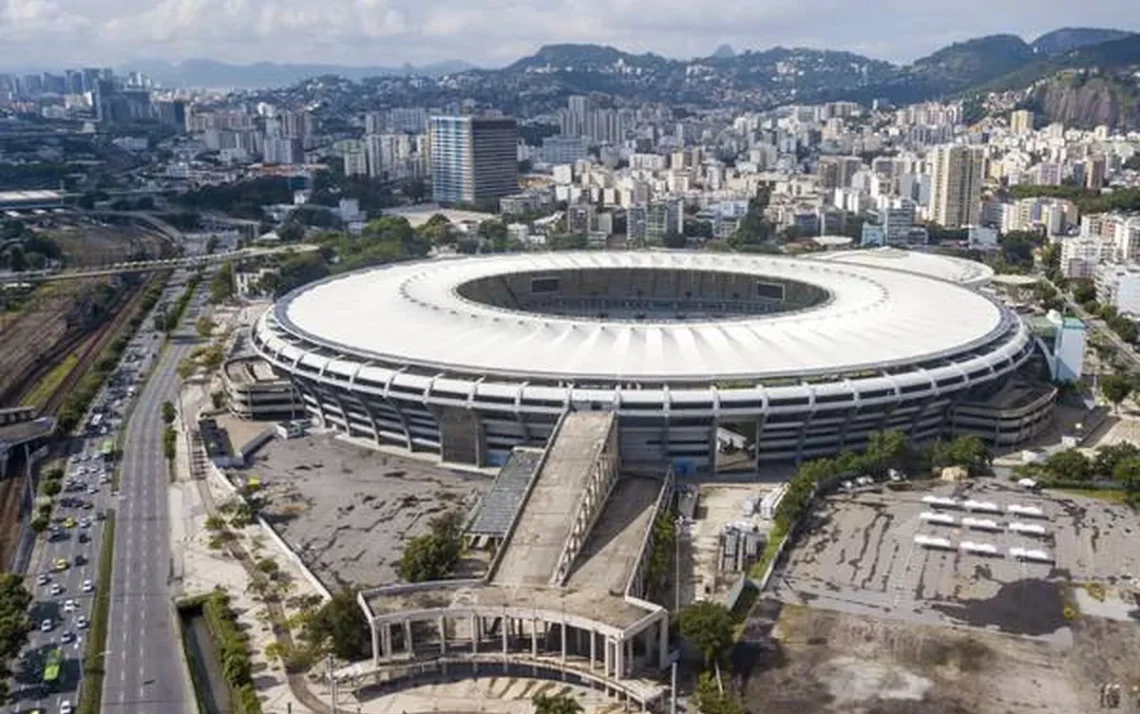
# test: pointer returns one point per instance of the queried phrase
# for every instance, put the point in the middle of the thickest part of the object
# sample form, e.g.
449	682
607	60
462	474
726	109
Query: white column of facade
375	644
408	638
663	642
609	657
442	635
534	637
386	638
474	633
505	632
619	658
563	628
593	648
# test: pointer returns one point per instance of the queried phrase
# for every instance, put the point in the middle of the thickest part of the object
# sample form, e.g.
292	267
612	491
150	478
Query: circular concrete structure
469	357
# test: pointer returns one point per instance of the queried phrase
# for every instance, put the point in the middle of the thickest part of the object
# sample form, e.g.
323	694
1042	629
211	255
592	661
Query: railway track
91	345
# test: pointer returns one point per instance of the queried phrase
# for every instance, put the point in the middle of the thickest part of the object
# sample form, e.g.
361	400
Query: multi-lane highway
63	596
144	668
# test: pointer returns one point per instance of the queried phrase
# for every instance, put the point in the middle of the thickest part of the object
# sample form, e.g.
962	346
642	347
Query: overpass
148	266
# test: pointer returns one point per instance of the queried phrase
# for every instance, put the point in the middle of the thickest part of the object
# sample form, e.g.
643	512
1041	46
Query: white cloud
63	32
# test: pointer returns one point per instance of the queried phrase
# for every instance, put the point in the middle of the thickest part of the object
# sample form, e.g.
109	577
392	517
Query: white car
88	586
81	623
65	707
56	589
69	606
46	626
43	579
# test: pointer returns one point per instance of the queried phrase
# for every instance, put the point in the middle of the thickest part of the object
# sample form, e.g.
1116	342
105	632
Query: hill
211	73
1058	42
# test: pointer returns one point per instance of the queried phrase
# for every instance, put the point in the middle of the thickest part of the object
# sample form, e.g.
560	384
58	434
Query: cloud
492	32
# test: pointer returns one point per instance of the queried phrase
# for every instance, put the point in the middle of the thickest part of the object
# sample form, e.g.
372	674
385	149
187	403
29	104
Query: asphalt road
85	467
144	668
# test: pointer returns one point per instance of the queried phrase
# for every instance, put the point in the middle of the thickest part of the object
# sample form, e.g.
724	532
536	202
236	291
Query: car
81	622
91	490
43	579
85	522
66	637
88	586
80	559
84	538
65	707
46	626
56	589
69	606
70	522
61	564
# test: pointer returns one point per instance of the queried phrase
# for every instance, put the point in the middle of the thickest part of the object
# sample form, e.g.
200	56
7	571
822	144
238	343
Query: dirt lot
348	509
830	662
91	244
856	553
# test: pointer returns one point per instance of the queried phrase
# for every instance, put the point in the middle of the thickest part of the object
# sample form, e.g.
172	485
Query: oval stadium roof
412	314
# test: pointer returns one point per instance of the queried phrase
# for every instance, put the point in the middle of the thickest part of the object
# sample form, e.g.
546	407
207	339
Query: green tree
560	703
1116	388
1127	474
433	555
673	239
169	413
710	700
222	284
1107	457
969	452
1084	290
708	625
50	488
885	450
339	627
1068	465
205	327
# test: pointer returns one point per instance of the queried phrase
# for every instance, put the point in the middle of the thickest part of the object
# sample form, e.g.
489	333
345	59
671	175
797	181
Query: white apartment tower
957	173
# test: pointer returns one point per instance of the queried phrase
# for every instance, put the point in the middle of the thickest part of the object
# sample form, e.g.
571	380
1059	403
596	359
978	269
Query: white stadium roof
411	313
934	265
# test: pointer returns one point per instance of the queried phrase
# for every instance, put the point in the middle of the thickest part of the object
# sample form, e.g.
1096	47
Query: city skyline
48	34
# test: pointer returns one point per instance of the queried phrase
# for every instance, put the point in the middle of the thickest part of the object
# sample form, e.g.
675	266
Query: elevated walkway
556	516
611	552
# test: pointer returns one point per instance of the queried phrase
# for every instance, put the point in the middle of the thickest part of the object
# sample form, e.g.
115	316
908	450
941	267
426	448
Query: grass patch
775	538
91	696
1109	495
51	381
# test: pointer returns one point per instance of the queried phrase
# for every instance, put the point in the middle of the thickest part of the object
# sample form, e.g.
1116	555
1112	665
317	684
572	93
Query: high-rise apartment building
1021	122
473	159
957	173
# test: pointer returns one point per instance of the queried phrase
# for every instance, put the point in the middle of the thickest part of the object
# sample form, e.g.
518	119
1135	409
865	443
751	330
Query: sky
63	33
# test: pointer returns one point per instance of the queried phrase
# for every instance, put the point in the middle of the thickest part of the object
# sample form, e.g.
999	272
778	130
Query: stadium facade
776	358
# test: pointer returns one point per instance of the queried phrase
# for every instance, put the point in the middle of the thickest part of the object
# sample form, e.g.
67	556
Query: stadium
706	359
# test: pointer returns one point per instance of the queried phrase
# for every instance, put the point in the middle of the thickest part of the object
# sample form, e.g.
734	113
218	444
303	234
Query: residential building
1080	255
473	159
1119	286
1021	122
957	173
982	238
651	222
355	163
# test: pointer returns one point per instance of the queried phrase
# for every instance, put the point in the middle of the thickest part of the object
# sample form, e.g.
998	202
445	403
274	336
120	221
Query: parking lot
348	509
857	554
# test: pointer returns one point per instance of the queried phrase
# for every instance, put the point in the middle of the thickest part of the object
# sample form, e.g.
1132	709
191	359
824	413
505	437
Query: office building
473	159
957	173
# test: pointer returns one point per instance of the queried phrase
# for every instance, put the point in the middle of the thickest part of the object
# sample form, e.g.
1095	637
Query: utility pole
677	524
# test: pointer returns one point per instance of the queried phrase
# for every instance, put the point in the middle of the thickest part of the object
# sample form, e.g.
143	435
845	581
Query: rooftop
933	265
251	370
874	318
